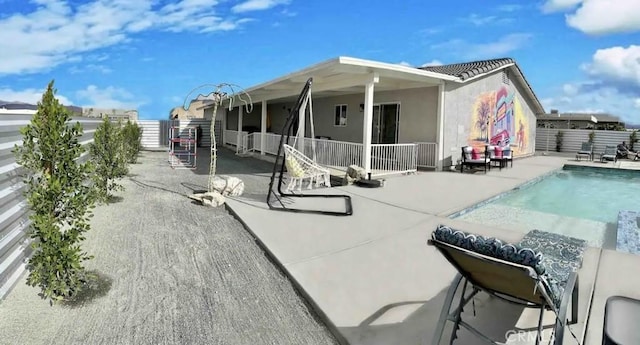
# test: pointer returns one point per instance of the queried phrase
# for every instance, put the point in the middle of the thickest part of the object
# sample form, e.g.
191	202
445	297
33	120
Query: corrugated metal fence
14	241
155	133
573	138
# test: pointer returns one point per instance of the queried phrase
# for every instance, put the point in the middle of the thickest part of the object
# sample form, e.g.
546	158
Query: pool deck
373	278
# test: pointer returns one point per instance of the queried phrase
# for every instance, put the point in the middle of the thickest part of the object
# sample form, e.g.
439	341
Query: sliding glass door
385	123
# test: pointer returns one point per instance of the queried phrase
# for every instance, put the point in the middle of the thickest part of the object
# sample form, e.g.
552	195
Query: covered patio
394	112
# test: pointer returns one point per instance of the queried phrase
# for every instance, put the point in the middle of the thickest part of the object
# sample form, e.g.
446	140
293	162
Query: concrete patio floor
373	277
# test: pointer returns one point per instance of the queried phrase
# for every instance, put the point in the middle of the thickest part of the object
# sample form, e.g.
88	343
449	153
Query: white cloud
510	7
559	5
599	100
59	30
432	63
478	20
257	5
570	89
617	65
404	63
90	68
599	16
32	96
612	85
502	46
109	97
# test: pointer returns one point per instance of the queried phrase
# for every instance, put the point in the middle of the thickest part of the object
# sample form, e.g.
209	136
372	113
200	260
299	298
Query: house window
505	77
340	119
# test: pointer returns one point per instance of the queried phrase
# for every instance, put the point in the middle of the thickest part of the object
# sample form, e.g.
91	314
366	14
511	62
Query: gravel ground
175	272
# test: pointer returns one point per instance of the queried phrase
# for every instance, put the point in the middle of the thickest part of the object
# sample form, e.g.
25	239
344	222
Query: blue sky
579	55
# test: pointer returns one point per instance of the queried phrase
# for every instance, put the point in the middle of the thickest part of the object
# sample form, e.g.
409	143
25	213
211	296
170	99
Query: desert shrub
108	156
59	198
132	137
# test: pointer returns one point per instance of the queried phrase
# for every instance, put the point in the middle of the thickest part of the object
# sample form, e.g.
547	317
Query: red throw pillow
498	152
475	154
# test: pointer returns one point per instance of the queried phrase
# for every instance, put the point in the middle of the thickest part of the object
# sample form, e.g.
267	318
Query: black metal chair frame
486	164
279	168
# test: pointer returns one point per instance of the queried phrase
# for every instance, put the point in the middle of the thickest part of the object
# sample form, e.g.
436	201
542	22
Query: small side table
621	320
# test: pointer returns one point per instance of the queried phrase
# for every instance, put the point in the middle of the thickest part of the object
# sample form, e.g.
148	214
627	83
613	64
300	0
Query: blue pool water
595	194
576	201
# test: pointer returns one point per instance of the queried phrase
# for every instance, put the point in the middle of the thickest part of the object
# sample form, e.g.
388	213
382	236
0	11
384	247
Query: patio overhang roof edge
346	65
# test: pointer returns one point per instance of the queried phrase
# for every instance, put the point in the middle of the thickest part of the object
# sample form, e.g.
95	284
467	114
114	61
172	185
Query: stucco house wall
465	105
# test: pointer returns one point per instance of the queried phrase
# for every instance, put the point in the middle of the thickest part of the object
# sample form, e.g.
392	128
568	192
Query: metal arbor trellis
222	93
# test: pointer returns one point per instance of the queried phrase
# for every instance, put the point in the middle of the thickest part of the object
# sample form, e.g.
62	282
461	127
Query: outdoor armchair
472	157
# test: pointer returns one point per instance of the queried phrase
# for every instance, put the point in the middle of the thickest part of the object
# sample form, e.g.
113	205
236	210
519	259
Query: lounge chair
585	150
300	167
610	154
468	159
540	271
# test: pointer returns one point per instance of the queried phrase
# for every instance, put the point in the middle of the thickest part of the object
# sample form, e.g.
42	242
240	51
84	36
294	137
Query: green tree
59	198
108	156
132	138
559	139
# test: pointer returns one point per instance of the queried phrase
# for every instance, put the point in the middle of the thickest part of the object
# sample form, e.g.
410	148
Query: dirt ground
174	272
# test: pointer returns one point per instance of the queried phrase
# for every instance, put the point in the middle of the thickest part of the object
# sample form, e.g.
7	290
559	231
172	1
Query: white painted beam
440	126
239	135
263	127
368	122
301	124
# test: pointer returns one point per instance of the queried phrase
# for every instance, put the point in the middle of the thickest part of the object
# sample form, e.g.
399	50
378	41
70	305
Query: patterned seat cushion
492	247
562	255
554	257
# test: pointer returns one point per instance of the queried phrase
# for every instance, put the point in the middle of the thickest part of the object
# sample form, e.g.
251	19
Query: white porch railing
427	154
231	138
271	142
334	153
386	158
393	159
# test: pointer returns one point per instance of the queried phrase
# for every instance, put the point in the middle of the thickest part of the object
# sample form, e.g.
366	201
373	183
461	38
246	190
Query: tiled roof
467	70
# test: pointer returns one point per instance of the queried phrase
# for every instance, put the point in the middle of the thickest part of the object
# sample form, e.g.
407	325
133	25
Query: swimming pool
576	201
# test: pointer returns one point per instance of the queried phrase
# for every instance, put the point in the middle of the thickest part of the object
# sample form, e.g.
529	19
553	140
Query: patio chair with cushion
585	150
540	271
472	157
610	154
507	155
300	167
495	155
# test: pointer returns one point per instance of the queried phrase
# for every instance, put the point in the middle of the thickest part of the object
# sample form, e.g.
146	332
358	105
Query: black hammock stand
279	166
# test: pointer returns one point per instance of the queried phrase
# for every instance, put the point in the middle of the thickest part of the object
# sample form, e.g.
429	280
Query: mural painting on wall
498	119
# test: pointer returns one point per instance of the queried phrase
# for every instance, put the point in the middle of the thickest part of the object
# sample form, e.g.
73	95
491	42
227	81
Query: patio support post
263	127
440	127
239	136
368	124
224	123
301	125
